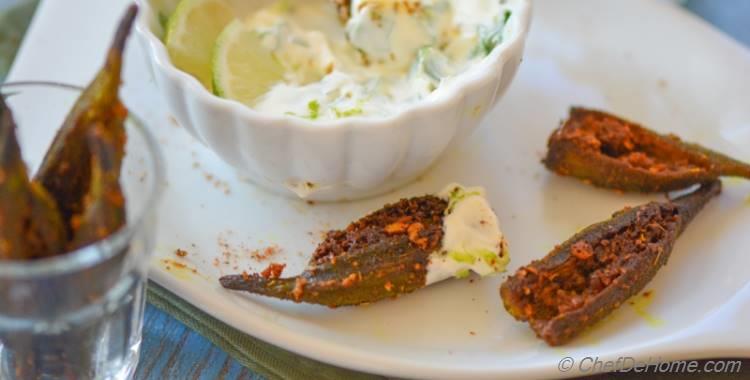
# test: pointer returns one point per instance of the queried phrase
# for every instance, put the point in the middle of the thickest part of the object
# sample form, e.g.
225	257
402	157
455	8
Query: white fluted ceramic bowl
341	159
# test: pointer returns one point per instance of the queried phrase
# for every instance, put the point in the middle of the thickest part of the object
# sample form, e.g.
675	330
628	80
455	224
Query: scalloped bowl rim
447	96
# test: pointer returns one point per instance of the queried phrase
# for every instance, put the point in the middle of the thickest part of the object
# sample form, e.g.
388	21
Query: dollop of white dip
390	53
472	240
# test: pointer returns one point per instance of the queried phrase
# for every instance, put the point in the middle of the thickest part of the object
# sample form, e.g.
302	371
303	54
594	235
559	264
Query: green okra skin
558	328
570	155
14	191
104	206
689	205
66	169
30	224
385	269
724	165
381	255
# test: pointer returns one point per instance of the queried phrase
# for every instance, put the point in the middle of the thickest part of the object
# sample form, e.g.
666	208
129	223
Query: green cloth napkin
263	358
14	18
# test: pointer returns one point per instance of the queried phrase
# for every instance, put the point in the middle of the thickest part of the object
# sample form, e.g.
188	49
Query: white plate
645	60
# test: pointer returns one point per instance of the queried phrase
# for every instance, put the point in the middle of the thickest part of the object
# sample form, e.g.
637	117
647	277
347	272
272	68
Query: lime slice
191	34
243	69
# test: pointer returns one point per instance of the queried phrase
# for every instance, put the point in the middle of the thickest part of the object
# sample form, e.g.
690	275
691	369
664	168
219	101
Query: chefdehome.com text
593	364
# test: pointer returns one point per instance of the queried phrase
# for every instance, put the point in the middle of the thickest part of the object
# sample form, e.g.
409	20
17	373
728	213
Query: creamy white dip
389	54
472	240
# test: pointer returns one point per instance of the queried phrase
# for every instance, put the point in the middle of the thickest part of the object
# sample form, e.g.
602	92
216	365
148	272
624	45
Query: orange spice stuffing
528	310
388	286
120	111
273	271
414	237
299	288
75	222
351	280
399	226
116	198
582	250
412	229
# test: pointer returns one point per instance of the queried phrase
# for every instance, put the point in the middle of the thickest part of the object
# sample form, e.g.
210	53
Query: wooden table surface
172	351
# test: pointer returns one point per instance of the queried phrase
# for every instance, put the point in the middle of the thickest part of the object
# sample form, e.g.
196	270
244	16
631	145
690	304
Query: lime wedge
243	69
191	34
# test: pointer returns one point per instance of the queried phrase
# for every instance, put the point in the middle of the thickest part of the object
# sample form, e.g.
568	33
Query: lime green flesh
243	69
192	31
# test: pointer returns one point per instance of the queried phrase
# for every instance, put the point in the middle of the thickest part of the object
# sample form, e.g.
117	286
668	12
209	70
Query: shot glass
79	315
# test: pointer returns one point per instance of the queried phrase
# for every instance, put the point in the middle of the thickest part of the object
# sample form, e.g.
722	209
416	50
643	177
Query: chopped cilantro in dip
490	37
314	107
356	111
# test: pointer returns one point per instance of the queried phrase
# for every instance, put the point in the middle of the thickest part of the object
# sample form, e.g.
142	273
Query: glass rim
104	249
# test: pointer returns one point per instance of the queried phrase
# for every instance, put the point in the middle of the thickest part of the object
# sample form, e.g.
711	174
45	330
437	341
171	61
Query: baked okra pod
614	153
587	277
66	169
396	250
104	204
30	223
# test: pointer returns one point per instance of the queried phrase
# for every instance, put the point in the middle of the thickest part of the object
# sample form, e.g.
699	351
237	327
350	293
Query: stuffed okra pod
396	250
586	278
104	205
75	198
30	224
614	153
66	170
